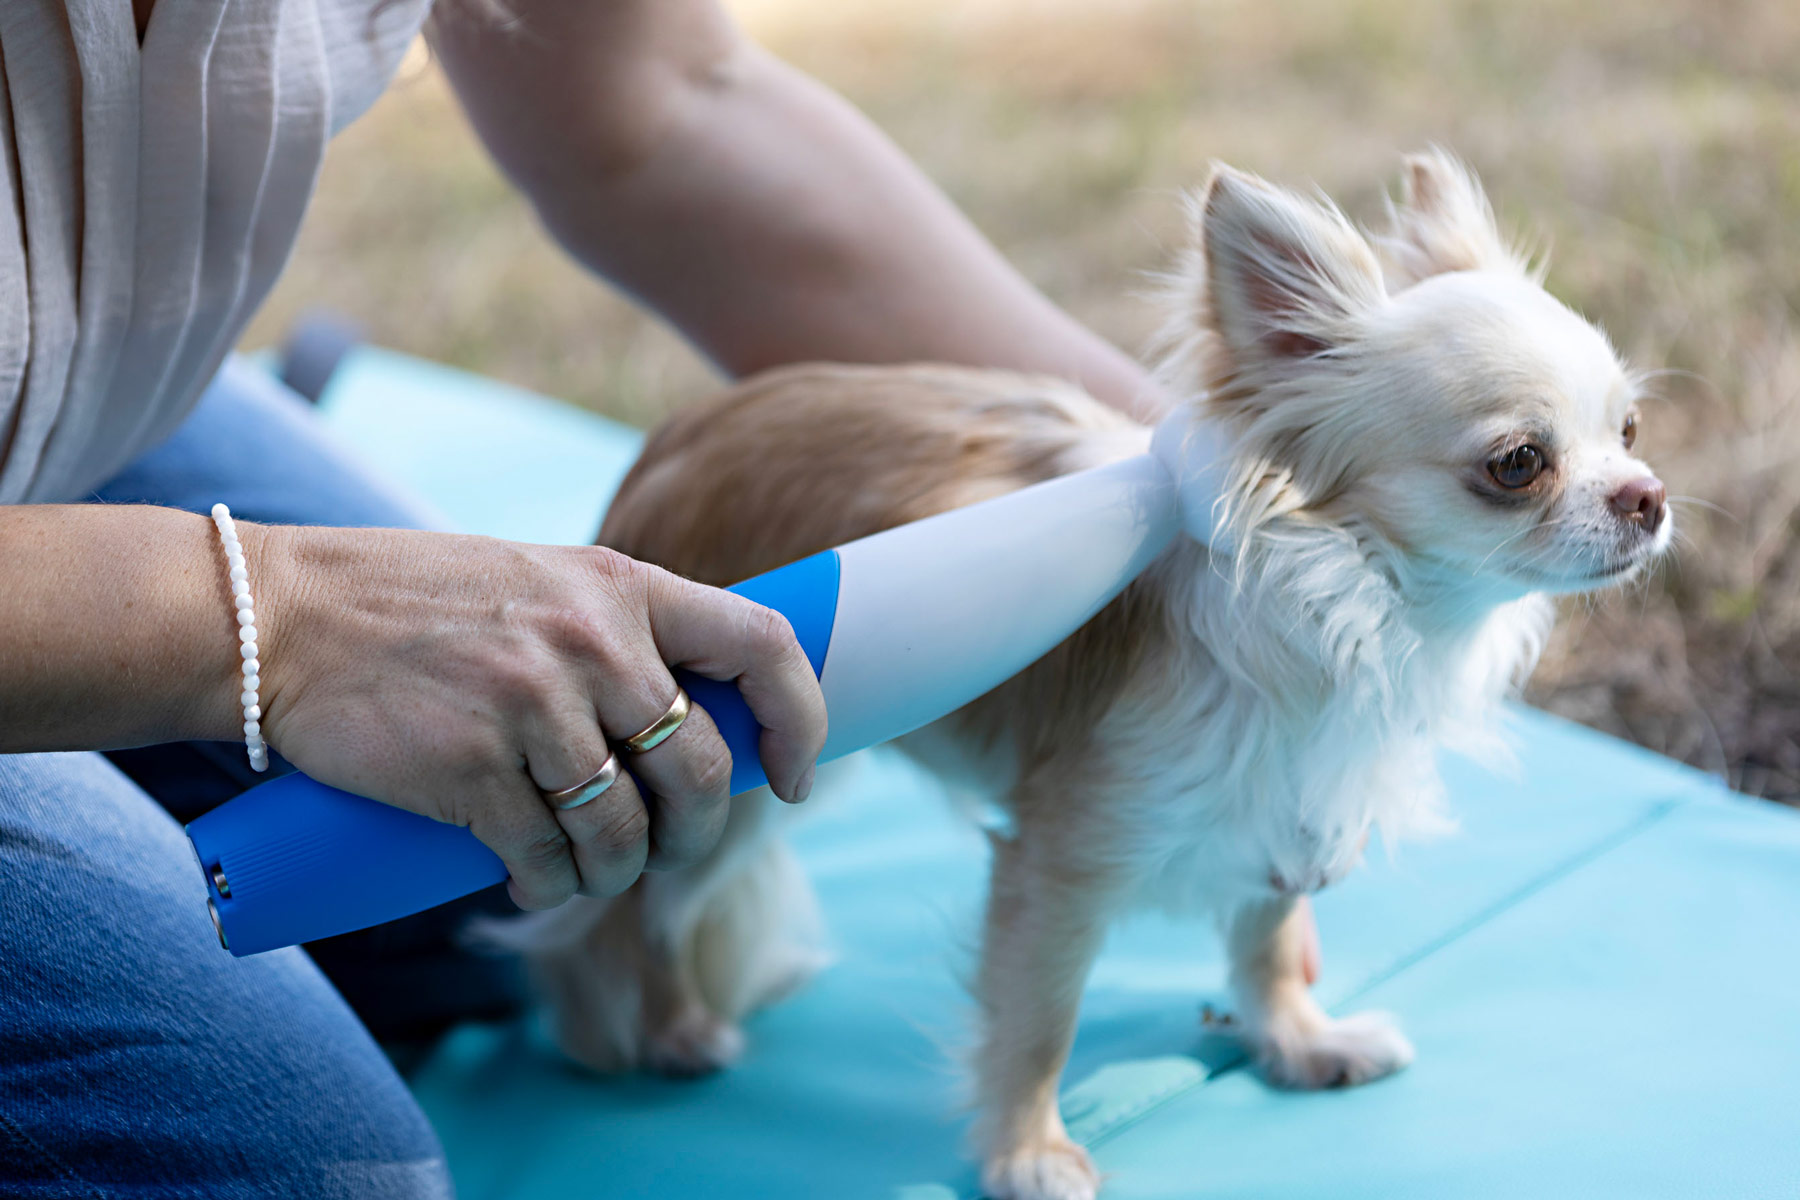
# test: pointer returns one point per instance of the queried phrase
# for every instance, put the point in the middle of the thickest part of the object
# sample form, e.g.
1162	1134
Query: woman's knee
137	1056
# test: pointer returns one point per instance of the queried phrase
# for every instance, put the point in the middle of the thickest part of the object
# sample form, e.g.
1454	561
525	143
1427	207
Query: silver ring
587	789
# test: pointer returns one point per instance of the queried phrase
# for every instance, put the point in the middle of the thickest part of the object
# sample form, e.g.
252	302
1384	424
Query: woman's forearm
753	207
776	224
116	627
457	677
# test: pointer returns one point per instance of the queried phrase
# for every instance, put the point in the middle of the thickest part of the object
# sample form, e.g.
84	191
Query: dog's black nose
1643	501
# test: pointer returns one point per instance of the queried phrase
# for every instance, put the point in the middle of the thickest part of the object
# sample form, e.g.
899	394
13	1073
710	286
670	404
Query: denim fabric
137	1058
259	447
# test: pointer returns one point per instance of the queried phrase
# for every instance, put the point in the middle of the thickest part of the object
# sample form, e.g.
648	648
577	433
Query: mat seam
1531	887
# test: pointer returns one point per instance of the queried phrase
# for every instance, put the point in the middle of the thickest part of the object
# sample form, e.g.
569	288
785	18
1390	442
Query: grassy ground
1655	147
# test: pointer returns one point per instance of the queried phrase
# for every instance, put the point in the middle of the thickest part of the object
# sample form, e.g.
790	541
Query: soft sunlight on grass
1655	148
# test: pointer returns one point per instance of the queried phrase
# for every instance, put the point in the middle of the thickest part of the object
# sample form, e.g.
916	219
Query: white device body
934	614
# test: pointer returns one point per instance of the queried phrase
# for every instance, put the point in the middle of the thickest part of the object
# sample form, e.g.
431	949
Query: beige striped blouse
149	195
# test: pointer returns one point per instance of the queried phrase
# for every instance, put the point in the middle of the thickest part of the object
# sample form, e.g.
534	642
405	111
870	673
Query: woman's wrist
320	591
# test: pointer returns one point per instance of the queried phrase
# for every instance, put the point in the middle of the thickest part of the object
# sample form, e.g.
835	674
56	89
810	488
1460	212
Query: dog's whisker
1543	525
1697	502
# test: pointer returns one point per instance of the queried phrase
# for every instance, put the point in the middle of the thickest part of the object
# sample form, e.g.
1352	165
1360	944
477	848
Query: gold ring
587	789
658	731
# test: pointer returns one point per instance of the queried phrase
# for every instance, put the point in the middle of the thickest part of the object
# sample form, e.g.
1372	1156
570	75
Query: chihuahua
1425	447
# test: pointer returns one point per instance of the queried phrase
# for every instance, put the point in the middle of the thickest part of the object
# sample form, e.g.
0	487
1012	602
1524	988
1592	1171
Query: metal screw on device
212	910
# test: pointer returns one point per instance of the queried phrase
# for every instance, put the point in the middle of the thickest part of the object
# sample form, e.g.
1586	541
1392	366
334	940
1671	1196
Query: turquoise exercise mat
493	459
1598	969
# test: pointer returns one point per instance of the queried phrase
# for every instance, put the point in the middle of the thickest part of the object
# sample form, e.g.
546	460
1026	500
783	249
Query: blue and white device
902	627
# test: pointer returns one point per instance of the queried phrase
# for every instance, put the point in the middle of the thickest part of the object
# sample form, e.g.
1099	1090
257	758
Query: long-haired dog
1425	447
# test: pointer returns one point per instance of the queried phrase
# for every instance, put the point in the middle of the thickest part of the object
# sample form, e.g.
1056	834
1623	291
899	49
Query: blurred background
1652	148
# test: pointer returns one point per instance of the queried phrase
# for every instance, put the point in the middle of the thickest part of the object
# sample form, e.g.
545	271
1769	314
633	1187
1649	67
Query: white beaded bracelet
246	619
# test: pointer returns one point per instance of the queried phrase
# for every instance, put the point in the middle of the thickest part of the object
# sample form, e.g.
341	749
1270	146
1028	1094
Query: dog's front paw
1057	1170
695	1042
1328	1053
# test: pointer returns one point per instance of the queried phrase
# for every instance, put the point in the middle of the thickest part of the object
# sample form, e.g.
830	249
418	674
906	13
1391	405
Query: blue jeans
137	1058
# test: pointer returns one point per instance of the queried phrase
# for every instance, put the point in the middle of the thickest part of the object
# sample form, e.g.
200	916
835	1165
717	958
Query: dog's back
803	458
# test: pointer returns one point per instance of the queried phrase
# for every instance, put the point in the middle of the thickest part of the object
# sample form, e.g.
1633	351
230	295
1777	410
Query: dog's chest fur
1230	733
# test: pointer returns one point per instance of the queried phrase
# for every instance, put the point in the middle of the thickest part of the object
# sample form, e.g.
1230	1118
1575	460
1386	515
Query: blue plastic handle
294	861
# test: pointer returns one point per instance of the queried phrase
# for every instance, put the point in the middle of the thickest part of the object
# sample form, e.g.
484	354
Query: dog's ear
1443	223
1284	278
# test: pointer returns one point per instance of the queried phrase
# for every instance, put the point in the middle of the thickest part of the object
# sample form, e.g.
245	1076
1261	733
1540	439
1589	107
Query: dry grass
1655	147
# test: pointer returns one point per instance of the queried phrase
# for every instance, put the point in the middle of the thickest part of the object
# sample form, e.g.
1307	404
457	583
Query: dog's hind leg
660	976
738	941
1295	1042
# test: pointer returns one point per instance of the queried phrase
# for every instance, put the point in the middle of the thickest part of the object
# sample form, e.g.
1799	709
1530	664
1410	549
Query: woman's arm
117	628
750	205
458	677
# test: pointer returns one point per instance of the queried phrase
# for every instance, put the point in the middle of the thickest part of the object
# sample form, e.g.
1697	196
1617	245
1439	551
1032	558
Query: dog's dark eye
1517	468
1629	433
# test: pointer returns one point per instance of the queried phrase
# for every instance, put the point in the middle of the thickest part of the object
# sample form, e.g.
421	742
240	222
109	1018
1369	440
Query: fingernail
803	789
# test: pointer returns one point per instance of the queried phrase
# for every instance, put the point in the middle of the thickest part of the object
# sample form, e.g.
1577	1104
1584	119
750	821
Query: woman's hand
462	677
